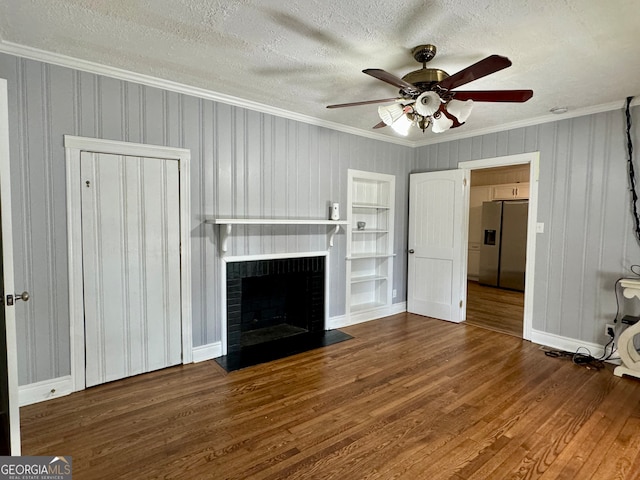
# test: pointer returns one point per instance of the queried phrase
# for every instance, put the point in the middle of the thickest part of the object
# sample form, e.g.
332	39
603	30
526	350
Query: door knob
24	296
10	300
412	251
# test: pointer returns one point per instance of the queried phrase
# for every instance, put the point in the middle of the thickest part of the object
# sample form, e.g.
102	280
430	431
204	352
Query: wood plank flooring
408	398
495	308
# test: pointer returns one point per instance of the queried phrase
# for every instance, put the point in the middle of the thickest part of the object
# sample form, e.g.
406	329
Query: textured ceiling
300	56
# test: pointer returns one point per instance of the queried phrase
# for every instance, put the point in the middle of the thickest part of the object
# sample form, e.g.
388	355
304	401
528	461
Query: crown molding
126	75
549	118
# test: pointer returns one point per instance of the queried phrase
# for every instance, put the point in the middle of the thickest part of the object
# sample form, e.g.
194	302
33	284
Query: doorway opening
497	243
507	308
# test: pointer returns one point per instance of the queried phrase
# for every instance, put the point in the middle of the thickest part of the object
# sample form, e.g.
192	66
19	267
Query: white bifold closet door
131	265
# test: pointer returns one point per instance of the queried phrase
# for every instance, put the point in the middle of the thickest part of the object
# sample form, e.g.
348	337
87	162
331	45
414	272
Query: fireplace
272	300
276	307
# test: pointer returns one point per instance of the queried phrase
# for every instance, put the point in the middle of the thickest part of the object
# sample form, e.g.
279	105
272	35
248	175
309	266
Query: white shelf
369	231
370	206
272	221
359	307
362	256
368	278
226	225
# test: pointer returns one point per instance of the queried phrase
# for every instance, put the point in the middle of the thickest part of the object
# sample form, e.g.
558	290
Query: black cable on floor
583	359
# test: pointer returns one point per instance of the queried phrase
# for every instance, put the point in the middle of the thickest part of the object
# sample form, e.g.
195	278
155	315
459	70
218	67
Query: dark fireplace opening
275	308
273	299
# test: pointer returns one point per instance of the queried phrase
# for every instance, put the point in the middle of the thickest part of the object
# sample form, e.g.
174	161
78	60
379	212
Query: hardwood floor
495	308
408	398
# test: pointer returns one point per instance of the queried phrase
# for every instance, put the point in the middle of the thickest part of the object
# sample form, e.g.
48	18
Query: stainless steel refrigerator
503	252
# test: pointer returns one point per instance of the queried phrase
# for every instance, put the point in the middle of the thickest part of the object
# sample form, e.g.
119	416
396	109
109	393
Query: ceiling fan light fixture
428	97
427	104
441	123
402	125
460	110
390	113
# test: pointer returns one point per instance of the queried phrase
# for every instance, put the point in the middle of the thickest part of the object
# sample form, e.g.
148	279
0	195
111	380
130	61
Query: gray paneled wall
243	164
584	204
251	164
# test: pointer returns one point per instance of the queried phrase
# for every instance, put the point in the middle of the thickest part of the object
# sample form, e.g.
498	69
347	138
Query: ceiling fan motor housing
424	78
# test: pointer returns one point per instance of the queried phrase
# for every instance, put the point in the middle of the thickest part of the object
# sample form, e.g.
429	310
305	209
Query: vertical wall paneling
38	248
51	237
584	204
23	264
249	164
62	108
243	163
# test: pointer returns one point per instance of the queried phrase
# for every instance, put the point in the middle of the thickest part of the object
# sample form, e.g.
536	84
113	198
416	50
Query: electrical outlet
610	330
394	293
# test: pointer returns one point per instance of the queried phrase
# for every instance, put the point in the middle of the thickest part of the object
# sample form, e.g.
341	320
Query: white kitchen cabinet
370	199
510	191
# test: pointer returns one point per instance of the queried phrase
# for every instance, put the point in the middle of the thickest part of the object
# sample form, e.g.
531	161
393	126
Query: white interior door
131	265
9	409
436	284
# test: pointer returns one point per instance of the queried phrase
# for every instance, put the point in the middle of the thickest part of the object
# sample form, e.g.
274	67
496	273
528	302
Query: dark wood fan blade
365	102
380	125
494	95
478	70
392	80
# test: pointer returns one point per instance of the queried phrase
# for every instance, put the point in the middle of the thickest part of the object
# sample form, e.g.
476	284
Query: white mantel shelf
226	225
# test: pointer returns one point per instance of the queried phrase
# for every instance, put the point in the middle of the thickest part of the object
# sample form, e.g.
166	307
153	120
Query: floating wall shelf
226	225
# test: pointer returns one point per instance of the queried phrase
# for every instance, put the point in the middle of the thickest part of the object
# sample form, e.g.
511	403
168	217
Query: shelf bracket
225	232
333	234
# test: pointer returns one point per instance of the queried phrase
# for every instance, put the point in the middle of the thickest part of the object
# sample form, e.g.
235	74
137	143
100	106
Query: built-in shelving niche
370	254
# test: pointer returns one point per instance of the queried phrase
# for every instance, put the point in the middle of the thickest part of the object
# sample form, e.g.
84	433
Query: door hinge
460	303
464	182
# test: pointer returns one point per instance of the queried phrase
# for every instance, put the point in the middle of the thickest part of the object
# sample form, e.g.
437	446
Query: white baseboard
207	352
59	387
361	317
44	390
566	344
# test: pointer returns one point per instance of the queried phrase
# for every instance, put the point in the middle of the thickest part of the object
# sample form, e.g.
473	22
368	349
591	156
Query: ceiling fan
428	96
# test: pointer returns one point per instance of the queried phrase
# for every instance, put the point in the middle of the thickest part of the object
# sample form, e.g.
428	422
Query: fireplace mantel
226	225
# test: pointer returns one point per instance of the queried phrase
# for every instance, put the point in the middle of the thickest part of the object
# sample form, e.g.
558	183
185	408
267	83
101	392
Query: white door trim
7	252
73	146
533	159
